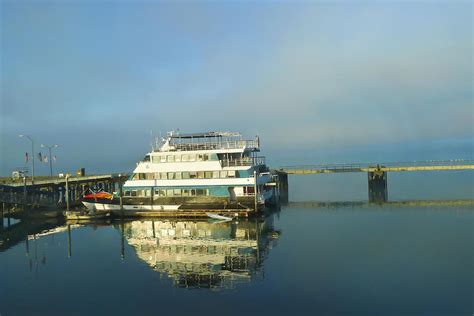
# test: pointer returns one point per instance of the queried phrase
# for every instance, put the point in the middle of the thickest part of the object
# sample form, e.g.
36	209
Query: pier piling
378	192
255	190
67	193
283	187
69	242
122	240
121	197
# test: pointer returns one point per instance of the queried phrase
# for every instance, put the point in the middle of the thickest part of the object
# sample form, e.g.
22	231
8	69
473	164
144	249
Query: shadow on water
19	230
362	204
192	253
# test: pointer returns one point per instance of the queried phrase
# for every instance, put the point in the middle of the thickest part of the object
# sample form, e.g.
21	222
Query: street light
50	157
32	156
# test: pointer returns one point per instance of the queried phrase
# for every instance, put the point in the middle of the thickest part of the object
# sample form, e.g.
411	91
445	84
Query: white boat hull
93	206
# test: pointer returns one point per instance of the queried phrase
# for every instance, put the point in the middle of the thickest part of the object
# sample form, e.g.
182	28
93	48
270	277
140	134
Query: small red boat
98	195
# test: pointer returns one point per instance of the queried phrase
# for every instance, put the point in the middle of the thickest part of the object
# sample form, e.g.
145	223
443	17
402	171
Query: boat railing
189	146
245	161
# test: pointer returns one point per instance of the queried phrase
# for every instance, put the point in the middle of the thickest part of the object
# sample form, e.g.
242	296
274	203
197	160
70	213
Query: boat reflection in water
203	253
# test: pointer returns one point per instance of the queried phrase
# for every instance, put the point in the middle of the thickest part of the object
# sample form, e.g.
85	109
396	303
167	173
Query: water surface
351	259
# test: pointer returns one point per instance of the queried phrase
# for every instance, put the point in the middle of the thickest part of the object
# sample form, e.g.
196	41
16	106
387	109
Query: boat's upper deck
208	141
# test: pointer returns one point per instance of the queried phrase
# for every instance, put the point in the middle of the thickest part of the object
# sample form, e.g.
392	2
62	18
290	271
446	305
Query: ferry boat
195	174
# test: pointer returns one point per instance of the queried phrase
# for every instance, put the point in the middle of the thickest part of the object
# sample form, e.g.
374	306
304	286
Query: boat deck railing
210	145
246	161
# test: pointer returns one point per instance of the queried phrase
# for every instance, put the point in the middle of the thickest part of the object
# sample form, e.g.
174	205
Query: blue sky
324	81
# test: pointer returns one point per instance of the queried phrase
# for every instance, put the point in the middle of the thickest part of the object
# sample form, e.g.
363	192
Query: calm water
303	260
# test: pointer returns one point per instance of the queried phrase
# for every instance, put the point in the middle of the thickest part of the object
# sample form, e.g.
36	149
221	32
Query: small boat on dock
100	195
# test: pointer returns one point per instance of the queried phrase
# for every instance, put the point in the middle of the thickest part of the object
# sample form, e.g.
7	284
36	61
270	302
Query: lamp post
50	157
32	157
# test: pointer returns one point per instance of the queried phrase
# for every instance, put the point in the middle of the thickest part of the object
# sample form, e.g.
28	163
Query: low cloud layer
97	77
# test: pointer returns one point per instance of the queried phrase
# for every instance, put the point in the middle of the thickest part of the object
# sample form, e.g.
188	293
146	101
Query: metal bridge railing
358	166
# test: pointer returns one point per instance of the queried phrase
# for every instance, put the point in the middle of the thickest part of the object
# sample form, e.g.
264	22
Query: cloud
312	74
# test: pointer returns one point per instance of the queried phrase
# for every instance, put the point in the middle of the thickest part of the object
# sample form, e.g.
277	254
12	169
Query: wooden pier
376	172
54	192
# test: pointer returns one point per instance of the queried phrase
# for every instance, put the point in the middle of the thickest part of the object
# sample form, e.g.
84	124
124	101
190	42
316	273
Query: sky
318	81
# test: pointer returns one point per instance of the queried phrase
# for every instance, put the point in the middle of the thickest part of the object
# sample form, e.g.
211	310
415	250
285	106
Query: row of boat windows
166	192
179	158
218	174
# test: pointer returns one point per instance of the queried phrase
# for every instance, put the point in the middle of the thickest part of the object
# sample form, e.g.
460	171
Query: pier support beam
1	216
283	187
378	192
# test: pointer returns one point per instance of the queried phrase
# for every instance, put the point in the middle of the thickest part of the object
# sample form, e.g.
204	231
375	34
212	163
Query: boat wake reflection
203	253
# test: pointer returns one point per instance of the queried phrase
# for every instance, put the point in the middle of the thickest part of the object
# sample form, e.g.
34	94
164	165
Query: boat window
146	158
192	157
149	176
192	174
231	173
134	192
169	192
177	158
148	193
155	159
164	176
200	174
178	176
202	157
135	176
162	158
224	174
126	193
157	175
193	192
186	175
160	192
185	157
177	192
170	158
141	176
200	192
208	174
249	190
186	192
215	174
170	175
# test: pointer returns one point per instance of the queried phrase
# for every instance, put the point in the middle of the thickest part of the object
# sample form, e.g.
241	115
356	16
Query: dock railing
384	166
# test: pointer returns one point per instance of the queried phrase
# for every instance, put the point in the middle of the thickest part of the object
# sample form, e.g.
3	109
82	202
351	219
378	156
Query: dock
55	192
429	165
376	172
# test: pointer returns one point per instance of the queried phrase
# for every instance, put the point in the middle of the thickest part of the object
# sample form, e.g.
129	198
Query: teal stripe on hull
221	191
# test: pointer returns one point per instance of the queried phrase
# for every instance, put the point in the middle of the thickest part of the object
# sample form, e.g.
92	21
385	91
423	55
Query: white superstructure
199	171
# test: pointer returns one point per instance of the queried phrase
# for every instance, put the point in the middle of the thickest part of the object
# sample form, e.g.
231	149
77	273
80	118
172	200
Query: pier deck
381	167
377	173
55	192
